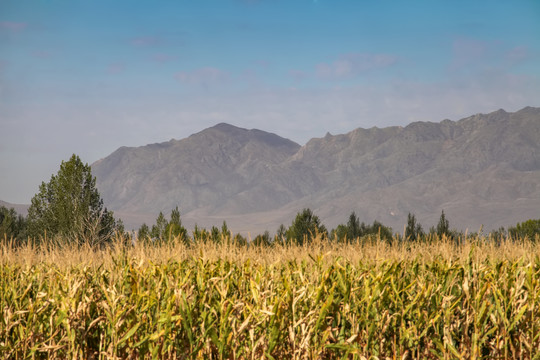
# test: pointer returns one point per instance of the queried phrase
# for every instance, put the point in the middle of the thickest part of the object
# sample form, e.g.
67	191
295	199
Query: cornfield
372	300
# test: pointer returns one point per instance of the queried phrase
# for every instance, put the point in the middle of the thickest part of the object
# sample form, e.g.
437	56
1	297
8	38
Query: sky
88	77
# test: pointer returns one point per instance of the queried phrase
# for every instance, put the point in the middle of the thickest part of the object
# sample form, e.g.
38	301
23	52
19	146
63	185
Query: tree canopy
443	227
414	230
354	230
12	225
305	226
529	228
70	206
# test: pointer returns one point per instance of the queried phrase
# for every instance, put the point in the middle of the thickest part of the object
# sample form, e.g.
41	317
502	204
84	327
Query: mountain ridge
21	209
246	176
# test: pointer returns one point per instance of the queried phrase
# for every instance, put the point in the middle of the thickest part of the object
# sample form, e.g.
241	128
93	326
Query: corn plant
320	305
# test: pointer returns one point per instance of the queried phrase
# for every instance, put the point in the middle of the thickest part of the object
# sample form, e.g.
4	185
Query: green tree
12	225
143	234
225	230
281	235
69	207
354	230
381	230
200	235
174	229
263	240
159	228
239	240
498	235
215	235
339	234
166	231
529	229
413	231
305	226
443	227
122	234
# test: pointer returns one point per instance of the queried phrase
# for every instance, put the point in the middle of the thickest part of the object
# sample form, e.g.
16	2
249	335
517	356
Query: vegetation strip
323	302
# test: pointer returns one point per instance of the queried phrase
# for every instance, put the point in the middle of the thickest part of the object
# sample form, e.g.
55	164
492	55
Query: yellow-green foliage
323	301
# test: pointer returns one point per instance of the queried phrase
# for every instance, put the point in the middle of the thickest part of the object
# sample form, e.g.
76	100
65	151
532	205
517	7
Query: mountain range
481	170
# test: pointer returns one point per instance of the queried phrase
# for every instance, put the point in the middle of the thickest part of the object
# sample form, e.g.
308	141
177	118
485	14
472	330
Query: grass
369	300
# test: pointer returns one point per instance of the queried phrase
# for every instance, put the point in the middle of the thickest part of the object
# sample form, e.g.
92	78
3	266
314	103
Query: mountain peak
244	135
468	168
227	127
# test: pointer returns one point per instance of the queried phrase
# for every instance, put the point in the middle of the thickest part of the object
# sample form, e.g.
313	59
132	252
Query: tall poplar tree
413	231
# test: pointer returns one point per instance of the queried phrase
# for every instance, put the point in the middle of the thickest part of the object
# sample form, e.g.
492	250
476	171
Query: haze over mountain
484	169
21	209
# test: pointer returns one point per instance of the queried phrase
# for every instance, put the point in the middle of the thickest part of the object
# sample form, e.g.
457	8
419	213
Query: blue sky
87	77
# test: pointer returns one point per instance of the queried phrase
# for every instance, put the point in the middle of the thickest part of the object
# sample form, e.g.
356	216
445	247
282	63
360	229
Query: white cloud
475	56
164	58
518	54
298	75
13	26
468	51
204	77
352	65
116	68
144	41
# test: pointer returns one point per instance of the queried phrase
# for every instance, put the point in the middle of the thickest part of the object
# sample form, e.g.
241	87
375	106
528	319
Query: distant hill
21	209
484	169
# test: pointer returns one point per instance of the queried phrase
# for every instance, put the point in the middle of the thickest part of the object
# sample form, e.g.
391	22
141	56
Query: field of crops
322	301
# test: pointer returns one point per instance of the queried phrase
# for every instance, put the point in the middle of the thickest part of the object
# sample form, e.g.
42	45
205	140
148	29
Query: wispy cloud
351	65
204	77
164	58
13	26
263	64
472	55
42	54
116	68
468	51
298	75
517	54
145	41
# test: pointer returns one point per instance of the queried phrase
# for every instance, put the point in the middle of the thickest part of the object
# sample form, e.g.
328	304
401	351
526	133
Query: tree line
69	209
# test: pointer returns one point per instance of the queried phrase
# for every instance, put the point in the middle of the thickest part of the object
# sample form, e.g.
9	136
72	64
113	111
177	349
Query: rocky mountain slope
21	209
484	169
220	168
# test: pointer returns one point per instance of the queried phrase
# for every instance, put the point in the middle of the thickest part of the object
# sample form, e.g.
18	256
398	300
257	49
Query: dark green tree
498	235
281	235
159	229
413	231
225	232
12	225
529	229
381	230
201	235
339	234
354	230
443	227
143	234
70	208
263	239
122	234
174	228
239	240
215	235
305	227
